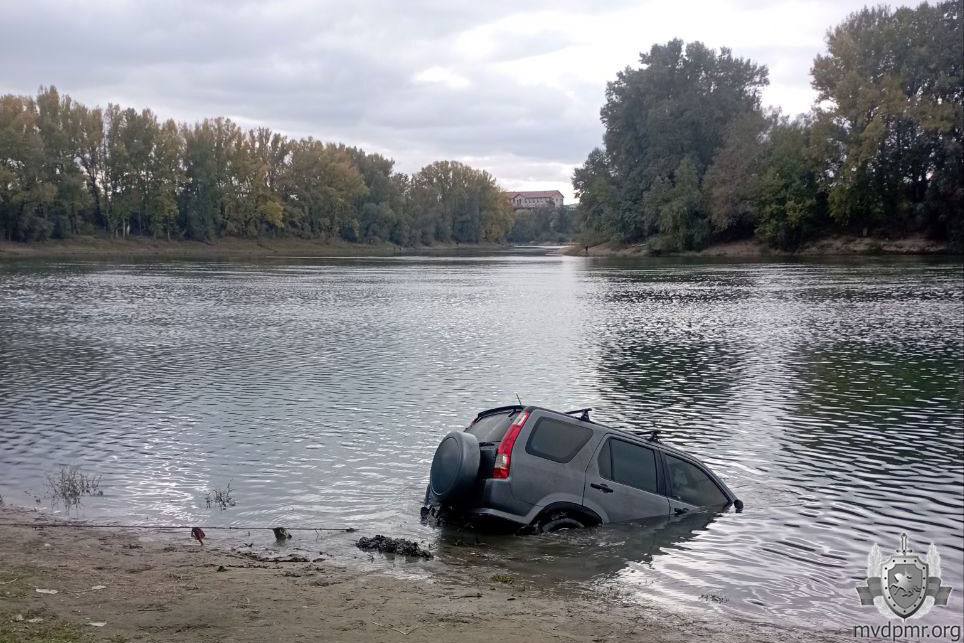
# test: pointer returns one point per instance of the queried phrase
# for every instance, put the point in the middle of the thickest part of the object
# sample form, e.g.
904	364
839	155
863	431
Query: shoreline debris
397	546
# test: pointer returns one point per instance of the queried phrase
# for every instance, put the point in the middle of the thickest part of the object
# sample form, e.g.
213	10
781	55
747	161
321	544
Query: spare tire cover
455	466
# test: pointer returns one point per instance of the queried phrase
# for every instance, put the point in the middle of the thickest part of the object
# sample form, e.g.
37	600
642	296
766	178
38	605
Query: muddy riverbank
833	246
228	248
118	585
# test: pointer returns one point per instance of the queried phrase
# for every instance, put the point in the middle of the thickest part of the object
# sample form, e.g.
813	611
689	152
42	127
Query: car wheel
558	522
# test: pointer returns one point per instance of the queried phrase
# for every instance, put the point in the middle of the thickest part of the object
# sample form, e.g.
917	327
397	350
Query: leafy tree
91	156
595	188
454	202
890	119
62	177
667	117
200	201
731	184
67	169
544	225
681	217
164	181
790	206
321	185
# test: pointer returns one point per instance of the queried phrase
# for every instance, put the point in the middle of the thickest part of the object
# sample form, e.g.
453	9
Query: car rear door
549	460
624	481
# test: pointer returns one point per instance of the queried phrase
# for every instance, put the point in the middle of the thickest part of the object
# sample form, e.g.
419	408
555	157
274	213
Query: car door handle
602	487
679	511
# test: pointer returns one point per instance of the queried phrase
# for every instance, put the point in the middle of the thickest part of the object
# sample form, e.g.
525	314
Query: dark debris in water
274	559
398	546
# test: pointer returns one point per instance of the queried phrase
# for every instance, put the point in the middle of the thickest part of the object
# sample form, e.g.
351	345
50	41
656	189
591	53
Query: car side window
629	464
691	485
556	440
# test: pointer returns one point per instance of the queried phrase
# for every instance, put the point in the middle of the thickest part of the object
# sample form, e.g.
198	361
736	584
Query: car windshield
491	428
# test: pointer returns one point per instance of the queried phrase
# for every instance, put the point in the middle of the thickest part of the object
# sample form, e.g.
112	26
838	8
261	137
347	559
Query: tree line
690	157
66	169
549	225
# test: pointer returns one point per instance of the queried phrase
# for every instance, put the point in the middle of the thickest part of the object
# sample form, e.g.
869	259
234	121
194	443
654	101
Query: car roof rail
651	436
583	414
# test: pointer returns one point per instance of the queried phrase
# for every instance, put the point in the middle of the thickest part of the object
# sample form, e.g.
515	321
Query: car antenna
518	398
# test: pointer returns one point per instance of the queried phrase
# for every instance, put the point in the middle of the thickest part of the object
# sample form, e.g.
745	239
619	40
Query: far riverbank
838	245
228	248
96	247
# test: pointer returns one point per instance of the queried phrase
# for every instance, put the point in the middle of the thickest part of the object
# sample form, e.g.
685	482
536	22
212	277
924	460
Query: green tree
731	184
91	156
165	177
675	108
890	120
454	202
25	196
595	187
321	186
789	204
681	217
62	177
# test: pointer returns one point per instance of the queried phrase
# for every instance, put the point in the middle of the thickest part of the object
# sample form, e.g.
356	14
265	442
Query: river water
827	395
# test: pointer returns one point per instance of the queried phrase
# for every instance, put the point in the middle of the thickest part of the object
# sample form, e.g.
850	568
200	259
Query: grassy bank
113	585
108	248
839	245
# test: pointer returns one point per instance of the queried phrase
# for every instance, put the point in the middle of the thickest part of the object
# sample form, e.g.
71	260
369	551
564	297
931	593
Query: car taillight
503	455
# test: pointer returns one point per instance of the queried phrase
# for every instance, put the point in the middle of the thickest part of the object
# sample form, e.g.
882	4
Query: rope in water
81	525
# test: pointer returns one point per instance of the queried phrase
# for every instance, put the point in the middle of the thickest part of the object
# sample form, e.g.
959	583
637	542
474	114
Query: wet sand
172	589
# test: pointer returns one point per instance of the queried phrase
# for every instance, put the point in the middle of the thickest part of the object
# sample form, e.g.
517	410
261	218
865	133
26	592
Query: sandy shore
172	589
828	247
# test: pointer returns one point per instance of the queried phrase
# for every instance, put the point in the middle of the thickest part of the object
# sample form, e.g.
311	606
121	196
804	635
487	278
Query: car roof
572	417
640	436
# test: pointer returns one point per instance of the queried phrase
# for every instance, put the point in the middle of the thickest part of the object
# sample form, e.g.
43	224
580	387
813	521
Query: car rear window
491	428
557	440
628	464
690	484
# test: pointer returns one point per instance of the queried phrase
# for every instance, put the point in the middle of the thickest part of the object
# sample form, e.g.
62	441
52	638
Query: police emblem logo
905	584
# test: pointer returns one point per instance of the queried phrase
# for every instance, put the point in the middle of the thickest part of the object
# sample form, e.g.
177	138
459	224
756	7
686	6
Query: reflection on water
828	396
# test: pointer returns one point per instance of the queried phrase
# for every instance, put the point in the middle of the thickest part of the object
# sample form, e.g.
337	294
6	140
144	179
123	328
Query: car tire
558	522
455	467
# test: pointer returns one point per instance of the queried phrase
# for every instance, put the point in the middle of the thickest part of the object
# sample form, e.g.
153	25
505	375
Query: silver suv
536	468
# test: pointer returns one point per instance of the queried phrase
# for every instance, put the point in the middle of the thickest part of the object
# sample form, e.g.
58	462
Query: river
827	395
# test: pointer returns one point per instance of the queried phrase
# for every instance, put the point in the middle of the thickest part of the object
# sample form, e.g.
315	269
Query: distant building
526	200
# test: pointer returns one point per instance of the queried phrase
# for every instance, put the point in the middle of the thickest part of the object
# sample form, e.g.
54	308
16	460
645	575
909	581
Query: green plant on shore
71	483
220	498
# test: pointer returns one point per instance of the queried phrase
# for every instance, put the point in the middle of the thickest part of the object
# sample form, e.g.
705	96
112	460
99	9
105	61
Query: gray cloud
513	87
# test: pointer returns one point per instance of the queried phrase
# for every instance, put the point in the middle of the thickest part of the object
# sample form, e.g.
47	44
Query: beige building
526	200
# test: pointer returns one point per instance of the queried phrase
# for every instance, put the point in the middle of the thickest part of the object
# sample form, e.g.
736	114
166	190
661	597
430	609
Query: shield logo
904	584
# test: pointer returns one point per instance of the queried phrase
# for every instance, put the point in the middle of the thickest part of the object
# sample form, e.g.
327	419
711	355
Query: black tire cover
455	466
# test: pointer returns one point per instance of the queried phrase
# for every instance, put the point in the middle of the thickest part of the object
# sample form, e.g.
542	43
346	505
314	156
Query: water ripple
829	396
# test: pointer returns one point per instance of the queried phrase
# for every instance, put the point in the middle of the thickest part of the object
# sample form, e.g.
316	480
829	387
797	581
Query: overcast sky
514	87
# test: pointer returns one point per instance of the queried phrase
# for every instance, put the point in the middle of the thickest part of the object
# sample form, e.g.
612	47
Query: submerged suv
540	469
